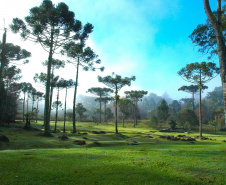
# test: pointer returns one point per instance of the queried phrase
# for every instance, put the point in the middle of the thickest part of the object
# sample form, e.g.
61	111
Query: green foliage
98	91
116	82
9	89
9	103
109	113
154	121
172	124
101	92
199	73
80	109
56	64
187	102
175	105
221	122
215	99
69	115
204	37
187	115
193	89
135	96
13	53
187	126
125	106
57	104
189	89
163	111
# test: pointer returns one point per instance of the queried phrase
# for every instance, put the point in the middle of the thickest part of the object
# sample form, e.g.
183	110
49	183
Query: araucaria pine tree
199	73
116	82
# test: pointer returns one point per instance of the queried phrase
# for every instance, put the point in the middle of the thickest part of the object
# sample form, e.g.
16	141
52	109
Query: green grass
30	158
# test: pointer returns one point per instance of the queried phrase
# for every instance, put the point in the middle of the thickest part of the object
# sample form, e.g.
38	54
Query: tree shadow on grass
83	167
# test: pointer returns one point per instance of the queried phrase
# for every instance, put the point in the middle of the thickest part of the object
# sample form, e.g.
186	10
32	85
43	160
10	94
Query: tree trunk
2	61
23	107
74	101
51	93
37	112
220	44
100	109
105	102
134	115
224	96
65	107
47	107
193	101
56	109
27	101
116	109
32	108
200	113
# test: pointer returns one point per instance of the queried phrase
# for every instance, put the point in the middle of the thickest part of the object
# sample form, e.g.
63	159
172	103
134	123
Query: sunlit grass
30	158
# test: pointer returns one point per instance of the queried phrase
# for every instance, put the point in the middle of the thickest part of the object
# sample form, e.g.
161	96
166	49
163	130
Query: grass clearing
135	156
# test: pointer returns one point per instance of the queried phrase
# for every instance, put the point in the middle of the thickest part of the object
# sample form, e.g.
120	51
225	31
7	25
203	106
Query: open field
135	156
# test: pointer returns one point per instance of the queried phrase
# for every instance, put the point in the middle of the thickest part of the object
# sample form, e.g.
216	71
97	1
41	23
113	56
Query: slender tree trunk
200	112
2	61
50	100
116	110
100	109
51	92
44	116
74	101
134	115
56	109
47	107
33	101
65	107
224	96
37	112
220	44
193	101
27	101
23	107
105	102
2	56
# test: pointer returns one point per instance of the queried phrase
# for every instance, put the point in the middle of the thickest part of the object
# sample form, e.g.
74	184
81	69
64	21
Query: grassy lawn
135	156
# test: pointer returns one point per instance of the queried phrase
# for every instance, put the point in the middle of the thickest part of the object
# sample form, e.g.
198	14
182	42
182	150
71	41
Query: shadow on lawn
89	167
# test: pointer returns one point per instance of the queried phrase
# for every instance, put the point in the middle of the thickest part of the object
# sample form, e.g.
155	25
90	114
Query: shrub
187	115
154	121
172	124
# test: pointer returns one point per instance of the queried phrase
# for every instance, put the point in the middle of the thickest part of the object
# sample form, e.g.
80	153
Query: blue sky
145	38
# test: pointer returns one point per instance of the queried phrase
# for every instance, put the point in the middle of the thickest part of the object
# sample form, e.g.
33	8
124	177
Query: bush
187	126
154	121
187	115
172	124
221	122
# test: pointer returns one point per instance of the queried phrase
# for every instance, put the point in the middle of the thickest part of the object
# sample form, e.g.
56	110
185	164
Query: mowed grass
30	158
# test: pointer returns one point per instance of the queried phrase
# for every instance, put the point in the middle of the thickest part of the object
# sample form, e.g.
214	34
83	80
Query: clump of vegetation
172	124
154	121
